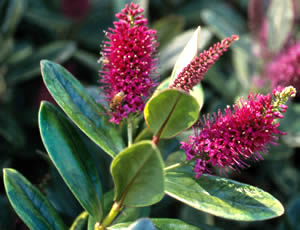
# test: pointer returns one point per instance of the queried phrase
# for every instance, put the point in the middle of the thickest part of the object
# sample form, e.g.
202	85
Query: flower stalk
115	210
177	165
130	130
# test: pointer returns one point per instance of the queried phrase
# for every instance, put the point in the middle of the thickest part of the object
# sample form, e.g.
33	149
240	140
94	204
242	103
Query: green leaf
29	203
197	92
222	197
46	19
87	59
8	217
292	138
217	79
285	175
7	46
279	152
131	214
10	129
59	194
280	16
29	68
292	214
91	223
142	224
138	175
74	99
187	55
167	28
201	220
160	224
244	62
223	20
13	16
170	112
127	214
80	222
71	157
170	53
22	51
90	32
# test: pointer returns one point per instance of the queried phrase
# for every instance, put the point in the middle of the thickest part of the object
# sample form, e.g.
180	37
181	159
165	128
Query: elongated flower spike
284	69
128	63
242	133
194	72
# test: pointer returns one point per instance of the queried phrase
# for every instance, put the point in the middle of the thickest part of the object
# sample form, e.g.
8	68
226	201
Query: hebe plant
140	175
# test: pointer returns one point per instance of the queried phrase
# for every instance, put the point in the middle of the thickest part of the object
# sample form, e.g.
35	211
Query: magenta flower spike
284	69
194	72
242	133
128	63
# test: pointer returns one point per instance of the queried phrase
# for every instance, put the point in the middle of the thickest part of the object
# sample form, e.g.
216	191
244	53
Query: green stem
129	130
115	210
177	165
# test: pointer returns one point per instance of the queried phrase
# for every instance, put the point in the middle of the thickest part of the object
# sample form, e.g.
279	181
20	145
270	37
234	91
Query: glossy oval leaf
197	91
71	158
80	222
171	112
222	197
187	55
142	224
280	16
160	224
29	203
29	68
138	175
74	99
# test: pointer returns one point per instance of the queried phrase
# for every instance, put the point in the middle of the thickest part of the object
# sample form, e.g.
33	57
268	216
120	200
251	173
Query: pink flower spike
128	63
284	68
194	72
241	133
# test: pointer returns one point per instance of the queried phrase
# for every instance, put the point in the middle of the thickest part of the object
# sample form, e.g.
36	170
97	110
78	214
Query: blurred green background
71	33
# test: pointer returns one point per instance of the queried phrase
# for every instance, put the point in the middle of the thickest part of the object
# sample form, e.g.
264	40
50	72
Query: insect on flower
116	100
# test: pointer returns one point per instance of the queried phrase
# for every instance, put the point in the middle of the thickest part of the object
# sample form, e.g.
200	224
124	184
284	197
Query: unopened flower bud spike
193	73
